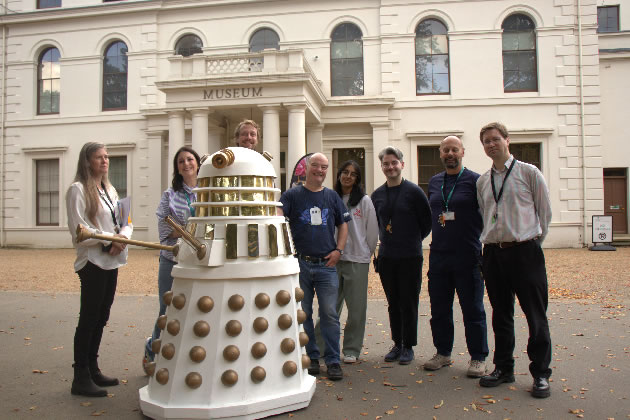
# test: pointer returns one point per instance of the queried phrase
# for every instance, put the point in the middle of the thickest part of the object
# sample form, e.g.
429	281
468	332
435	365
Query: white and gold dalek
232	345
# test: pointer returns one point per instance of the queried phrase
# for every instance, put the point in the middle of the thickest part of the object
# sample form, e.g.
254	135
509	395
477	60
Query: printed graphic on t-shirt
357	213
315	217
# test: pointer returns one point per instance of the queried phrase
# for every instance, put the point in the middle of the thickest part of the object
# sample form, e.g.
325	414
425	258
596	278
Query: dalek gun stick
83	233
190	240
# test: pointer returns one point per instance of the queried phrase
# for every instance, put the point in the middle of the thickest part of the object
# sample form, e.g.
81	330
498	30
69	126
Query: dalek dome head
236	181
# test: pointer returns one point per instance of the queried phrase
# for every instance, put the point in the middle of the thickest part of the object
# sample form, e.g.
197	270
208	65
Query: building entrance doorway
616	198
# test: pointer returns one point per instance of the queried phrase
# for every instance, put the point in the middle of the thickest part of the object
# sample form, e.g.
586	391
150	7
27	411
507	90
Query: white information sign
602	229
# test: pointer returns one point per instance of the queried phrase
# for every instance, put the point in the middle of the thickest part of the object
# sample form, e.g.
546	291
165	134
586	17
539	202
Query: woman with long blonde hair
92	202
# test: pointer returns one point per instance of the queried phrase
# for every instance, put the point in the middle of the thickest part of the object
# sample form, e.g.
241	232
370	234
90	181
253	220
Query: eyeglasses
350	174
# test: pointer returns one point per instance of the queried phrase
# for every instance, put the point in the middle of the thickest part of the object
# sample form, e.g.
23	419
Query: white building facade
345	78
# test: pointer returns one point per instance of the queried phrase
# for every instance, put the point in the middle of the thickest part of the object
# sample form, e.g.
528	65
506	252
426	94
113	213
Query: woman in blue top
177	203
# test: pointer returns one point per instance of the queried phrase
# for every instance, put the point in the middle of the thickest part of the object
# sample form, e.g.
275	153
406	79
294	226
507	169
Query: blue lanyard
446	200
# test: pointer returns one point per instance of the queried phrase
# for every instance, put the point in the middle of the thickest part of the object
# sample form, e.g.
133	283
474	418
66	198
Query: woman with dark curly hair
353	267
177	203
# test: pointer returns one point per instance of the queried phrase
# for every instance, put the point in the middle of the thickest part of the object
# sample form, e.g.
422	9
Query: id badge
449	215
316	216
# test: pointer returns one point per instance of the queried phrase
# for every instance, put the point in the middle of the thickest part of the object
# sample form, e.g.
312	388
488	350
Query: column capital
295	106
270	108
380	125
315	127
154	133
176	113
199	111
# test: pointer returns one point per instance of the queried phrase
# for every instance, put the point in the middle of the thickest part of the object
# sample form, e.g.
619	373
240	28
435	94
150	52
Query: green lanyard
190	207
446	200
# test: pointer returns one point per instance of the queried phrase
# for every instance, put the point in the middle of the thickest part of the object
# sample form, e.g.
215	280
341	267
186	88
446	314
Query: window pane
423	45
510	60
47	190
510	80
188	45
264	39
440	64
526	62
440	83
608	19
429	164
338	50
45	4
354	49
510	41
423	74
118	174
526	40
440	44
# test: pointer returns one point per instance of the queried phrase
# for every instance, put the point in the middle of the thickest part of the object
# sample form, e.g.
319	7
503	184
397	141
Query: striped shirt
174	204
524	210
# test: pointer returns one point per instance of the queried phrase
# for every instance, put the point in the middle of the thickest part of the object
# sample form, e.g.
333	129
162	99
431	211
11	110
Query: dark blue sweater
410	220
461	234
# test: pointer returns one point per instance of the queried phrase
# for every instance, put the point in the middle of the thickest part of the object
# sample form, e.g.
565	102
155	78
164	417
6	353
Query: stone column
176	135
297	137
150	183
271	135
200	130
380	140
314	141
215	134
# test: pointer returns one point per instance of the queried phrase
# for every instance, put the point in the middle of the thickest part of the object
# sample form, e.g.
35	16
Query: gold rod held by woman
83	233
201	248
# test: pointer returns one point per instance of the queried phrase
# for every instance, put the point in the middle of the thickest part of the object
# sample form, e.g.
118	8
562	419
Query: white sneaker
476	369
349	359
437	362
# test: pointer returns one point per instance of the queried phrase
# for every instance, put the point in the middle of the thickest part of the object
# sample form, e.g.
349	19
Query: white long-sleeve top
91	249
362	231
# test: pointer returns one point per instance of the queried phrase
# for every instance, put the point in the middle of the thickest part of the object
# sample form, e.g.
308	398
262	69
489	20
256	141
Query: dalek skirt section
232	344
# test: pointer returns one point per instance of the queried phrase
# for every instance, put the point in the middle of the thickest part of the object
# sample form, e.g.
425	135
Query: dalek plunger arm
190	240
83	233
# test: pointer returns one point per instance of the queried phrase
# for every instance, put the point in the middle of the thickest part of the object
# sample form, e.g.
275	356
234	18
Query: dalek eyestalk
222	158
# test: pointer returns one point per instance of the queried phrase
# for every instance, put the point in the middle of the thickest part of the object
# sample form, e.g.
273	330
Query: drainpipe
582	135
2	124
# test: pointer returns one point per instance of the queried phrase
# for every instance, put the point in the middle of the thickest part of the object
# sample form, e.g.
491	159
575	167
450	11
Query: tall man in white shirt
514	202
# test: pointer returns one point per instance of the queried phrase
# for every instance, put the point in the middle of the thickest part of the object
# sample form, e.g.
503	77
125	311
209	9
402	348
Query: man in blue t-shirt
454	261
313	212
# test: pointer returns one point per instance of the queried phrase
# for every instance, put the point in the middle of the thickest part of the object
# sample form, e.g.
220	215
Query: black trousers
98	287
520	271
401	279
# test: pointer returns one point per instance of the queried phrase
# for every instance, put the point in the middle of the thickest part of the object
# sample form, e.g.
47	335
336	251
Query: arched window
188	45
263	39
115	76
48	82
519	54
432	64
346	61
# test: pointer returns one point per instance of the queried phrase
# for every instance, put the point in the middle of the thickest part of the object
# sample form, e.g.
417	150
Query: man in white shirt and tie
514	201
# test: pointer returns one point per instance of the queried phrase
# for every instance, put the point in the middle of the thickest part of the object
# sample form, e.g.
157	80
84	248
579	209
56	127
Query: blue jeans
450	273
317	278
165	283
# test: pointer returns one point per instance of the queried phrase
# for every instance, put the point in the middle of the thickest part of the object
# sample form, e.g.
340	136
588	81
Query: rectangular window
527	152
608	19
429	164
342	155
118	174
47	188
47	4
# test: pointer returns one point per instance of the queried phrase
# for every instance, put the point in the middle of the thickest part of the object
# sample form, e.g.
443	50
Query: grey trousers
353	282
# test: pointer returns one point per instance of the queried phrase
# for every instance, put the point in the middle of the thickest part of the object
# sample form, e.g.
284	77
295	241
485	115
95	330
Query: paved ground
591	363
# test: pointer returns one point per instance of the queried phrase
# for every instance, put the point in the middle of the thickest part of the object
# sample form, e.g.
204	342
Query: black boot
98	377
82	383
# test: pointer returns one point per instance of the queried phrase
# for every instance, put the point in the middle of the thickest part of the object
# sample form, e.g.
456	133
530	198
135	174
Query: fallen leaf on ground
439	405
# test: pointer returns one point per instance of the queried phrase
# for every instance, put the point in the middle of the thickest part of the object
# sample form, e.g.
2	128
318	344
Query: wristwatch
340	251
